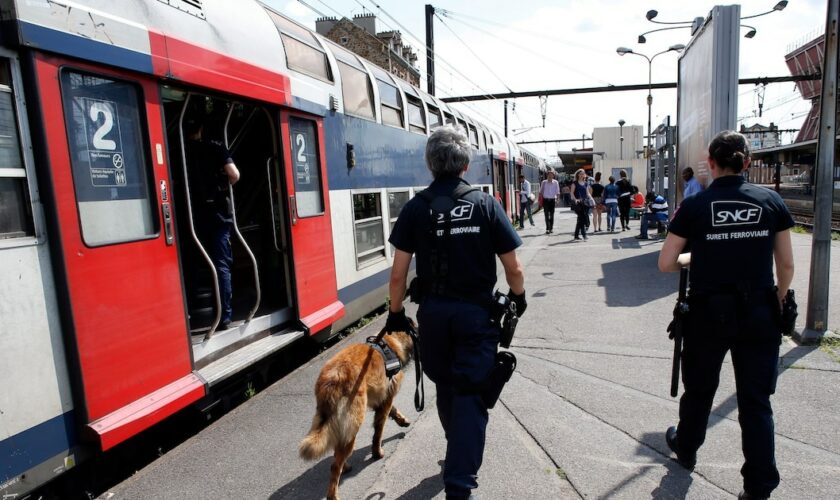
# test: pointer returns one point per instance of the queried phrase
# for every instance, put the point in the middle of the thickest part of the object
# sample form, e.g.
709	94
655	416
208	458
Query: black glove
520	302
397	321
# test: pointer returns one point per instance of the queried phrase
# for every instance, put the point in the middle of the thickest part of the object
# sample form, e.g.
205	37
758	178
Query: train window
306	59
303	52
473	136
396	201
367	219
15	212
357	91
416	116
309	195
450	120
111	172
391	107
462	125
435	119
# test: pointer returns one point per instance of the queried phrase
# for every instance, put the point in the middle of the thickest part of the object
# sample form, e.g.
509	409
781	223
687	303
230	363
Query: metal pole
430	49
650	132
816	320
506	124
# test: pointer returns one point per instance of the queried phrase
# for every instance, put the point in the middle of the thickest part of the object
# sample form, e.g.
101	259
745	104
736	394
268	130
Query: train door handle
293	209
166	208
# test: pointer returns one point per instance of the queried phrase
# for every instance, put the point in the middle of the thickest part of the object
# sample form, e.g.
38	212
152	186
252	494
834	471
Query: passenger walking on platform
625	190
611	203
525	201
212	172
550	191
456	272
598	195
581	202
735	232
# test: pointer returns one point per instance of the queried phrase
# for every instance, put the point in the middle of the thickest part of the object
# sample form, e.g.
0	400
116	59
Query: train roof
212	41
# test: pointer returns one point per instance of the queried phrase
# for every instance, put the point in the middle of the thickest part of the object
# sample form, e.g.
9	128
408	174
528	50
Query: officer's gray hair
447	152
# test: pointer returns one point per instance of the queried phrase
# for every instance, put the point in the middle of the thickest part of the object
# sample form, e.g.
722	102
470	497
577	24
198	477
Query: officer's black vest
439	255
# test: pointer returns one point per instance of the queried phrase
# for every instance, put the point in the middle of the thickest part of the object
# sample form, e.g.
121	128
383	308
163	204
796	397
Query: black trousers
548	209
582	219
753	342
624	211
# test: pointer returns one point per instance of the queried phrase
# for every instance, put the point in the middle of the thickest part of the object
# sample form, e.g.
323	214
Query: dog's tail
317	442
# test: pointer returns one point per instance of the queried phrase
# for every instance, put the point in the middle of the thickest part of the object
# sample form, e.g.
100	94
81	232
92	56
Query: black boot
687	461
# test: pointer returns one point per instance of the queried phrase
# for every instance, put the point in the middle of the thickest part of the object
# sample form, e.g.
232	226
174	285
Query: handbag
589	202
531	197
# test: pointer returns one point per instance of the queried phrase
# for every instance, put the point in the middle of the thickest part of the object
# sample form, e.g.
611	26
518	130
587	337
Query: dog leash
419	390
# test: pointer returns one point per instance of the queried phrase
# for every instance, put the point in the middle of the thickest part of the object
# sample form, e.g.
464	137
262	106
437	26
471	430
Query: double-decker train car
109	303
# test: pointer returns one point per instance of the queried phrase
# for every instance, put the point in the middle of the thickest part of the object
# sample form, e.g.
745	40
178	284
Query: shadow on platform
635	281
313	483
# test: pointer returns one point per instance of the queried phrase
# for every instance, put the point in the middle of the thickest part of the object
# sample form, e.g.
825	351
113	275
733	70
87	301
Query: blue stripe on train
33	446
84	48
385	156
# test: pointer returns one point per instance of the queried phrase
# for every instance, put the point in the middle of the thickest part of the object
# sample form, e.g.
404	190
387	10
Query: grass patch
835	236
250	391
799	230
831	346
561	474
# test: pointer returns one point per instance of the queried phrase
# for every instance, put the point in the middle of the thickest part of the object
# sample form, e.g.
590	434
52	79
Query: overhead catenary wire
530	49
465	44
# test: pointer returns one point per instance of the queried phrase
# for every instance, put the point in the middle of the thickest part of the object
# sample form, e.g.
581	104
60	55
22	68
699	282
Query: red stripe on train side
179	60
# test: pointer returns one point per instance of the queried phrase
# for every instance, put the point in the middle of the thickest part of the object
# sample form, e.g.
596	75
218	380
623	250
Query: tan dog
350	383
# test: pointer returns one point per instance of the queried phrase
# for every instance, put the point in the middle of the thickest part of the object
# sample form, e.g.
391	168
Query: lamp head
781	5
621	122
623	50
677	48
642	39
652	13
750	33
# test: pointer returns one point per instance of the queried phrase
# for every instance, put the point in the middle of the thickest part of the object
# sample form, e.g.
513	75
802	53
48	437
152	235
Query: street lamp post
621	123
624	50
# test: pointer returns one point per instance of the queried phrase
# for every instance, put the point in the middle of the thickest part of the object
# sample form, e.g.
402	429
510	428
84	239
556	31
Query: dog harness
392	362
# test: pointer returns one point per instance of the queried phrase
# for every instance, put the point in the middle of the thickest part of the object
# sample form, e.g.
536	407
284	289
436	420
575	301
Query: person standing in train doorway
524	201
736	231
550	191
212	173
457	232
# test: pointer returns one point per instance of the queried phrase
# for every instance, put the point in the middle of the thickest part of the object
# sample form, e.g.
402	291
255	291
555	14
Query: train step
221	369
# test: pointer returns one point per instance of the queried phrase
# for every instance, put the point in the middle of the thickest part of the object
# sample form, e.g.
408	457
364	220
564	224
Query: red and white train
108	304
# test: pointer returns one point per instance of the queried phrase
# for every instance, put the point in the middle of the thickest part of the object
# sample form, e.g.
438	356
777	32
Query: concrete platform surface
583	416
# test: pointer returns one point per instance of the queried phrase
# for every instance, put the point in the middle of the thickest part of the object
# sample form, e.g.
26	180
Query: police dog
351	382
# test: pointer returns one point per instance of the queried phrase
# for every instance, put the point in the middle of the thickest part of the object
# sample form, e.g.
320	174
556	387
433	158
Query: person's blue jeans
523	207
215	236
612	215
648	219
458	349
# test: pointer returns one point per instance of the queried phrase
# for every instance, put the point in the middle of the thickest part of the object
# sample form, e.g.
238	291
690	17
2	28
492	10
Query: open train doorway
259	270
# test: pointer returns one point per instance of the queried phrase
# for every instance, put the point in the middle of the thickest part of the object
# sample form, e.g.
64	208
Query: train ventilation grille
192	7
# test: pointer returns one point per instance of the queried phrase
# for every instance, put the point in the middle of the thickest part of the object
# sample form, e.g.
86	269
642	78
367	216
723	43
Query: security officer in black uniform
735	231
456	270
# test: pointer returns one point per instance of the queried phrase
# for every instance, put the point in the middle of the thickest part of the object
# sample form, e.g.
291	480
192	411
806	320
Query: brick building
760	136
384	49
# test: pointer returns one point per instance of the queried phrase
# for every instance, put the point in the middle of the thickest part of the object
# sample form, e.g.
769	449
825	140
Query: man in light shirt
692	185
524	201
550	191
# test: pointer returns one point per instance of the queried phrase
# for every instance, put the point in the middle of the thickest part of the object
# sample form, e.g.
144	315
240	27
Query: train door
311	228
200	127
111	189
500	183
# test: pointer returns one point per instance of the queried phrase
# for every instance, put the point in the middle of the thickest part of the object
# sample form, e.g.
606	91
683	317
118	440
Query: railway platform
583	416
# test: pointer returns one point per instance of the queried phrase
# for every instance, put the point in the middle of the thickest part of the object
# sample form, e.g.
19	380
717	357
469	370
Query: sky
492	46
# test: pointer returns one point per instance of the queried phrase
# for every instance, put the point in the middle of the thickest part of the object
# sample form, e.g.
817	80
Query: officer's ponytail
730	150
